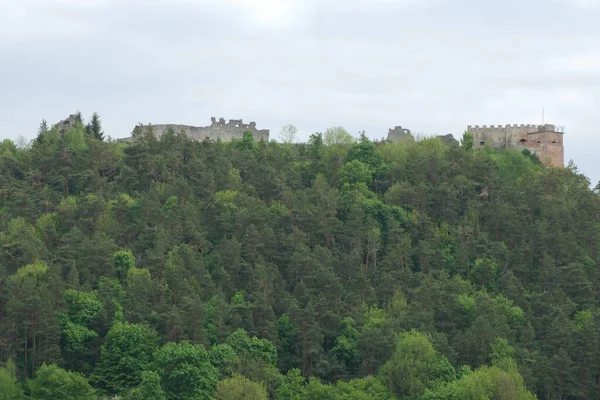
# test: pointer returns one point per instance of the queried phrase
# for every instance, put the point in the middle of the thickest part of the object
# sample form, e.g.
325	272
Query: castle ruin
543	140
398	134
546	141
218	129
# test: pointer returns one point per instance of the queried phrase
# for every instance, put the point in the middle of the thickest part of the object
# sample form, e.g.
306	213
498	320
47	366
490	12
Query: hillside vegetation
333	269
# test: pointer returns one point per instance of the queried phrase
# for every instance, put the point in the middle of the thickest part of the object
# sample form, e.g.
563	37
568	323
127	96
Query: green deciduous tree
224	358
186	371
346	345
9	388
74	138
240	387
365	388
366	152
291	386
52	382
415	366
338	136
124	260
467	140
83	309
355	172
252	348
126	353
484	383
149	388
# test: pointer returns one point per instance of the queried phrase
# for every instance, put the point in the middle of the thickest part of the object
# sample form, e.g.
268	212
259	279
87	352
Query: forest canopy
340	268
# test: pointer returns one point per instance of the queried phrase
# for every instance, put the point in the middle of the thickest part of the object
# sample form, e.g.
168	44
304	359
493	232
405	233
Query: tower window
481	143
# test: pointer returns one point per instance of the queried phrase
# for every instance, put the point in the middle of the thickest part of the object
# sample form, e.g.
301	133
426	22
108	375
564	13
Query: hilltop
179	268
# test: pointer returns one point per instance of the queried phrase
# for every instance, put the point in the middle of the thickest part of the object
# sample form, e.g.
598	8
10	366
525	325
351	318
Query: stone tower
544	140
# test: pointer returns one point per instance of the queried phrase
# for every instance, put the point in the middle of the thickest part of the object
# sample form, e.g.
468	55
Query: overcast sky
431	66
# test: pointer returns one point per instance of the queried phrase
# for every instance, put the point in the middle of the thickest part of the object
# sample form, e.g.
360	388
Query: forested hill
333	269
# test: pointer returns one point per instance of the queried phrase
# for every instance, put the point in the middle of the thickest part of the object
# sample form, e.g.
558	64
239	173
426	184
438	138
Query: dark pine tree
94	127
43	128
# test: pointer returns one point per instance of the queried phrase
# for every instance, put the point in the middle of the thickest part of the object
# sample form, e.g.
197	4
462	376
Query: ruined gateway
226	131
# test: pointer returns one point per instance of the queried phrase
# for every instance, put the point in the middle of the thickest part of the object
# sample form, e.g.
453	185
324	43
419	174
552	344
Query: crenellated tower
544	140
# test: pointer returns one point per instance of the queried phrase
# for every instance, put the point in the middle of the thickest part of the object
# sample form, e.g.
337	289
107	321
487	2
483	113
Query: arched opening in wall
538	141
554	141
522	141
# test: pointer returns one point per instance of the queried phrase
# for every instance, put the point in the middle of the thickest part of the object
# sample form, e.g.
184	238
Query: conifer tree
79	116
43	127
94	127
42	130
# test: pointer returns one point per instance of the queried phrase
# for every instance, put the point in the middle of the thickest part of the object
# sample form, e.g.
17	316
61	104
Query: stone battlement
233	123
529	127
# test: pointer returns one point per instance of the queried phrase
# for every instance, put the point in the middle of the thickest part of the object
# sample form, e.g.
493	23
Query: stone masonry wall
543	140
398	133
226	131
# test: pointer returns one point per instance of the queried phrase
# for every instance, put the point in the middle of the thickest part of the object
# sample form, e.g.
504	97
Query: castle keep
226	131
543	140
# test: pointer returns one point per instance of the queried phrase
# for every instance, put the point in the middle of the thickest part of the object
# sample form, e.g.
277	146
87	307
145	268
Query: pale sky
431	66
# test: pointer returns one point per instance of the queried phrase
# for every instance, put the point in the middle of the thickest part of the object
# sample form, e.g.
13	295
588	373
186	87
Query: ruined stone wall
65	125
398	133
543	140
449	140
226	131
